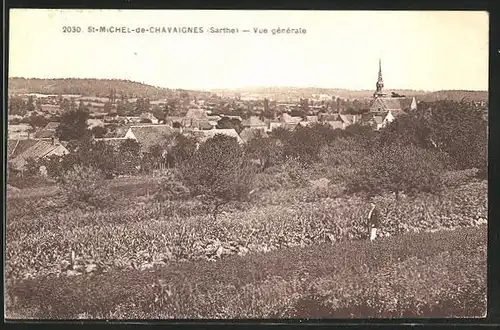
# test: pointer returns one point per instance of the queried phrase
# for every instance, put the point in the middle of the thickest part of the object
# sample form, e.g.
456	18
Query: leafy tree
142	105
130	146
64	105
99	131
281	134
129	153
230	123
73	125
124	108
304	144
85	186
219	172
30	104
407	130
53	164
326	132
399	169
171	108
153	158
156	150
268	151
112	96
38	104
32	167
17	106
455	128
298	112
364	135
37	121
172	188
108	107
103	157
461	131
158	112
180	148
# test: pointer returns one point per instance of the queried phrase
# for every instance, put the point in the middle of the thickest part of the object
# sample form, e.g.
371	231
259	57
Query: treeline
92	87
455	95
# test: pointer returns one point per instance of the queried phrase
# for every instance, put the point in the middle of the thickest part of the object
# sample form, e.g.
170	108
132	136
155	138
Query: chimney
53	141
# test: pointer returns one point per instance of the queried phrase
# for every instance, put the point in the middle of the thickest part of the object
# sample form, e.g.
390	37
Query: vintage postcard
205	164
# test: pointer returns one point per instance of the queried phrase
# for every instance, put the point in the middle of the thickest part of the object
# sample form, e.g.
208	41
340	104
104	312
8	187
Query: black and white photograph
246	164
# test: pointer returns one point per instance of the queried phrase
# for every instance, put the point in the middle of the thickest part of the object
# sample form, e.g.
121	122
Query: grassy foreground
441	274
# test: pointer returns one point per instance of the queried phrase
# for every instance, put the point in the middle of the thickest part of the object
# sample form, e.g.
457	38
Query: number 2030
71	29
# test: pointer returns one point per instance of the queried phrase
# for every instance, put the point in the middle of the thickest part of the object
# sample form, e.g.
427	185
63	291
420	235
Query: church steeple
380	81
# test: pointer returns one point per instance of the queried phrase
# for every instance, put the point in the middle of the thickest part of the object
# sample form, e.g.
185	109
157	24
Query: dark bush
85	187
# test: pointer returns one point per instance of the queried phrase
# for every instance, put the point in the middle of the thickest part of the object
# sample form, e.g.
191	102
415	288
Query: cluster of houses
23	144
148	130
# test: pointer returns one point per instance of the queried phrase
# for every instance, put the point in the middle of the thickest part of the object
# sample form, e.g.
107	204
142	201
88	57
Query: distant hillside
455	95
90	87
297	92
102	88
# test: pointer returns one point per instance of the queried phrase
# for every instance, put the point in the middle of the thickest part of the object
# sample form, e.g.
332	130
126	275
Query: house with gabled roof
325	117
149	135
274	124
249	133
394	104
336	124
94	122
377	120
19	151
48	132
206	125
311	119
306	123
149	116
203	135
174	121
349	119
232	117
53	125
194	117
286	118
253	122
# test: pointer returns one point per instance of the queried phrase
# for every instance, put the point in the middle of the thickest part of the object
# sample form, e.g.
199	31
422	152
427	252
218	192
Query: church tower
380	82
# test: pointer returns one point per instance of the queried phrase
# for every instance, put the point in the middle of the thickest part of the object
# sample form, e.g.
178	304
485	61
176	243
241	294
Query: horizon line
212	89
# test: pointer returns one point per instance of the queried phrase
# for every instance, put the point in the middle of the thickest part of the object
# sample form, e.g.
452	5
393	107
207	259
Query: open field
125	185
292	252
426	274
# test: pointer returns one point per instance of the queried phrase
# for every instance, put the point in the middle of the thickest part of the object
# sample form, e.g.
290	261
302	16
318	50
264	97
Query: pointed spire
380	81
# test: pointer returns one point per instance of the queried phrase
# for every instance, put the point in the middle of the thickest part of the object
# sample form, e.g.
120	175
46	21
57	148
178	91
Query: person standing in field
373	221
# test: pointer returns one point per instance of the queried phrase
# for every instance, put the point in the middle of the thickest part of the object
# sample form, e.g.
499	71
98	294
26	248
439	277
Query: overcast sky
426	50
